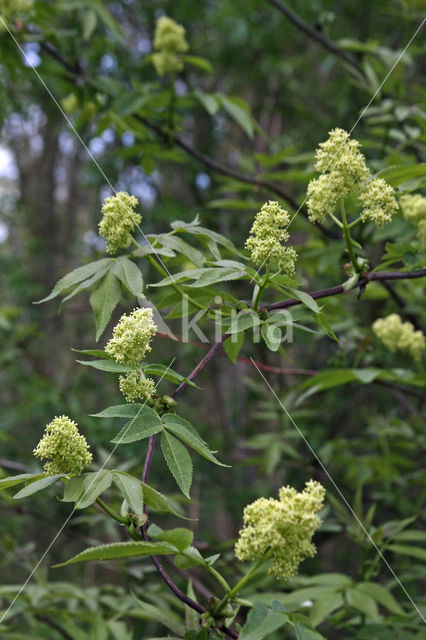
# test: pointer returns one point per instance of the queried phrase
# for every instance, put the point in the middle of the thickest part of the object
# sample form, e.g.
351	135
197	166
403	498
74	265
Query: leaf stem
235	590
110	512
218	577
347	237
259	288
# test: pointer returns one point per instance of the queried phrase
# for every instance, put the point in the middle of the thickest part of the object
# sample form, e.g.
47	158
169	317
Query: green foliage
204	145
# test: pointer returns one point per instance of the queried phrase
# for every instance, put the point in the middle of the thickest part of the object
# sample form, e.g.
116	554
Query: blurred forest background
259	96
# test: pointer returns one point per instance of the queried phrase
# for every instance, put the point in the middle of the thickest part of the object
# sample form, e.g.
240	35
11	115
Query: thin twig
315	34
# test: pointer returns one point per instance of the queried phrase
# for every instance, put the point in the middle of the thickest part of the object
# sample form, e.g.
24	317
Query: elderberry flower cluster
283	527
266	237
378	198
135	386
169	43
64	448
131	337
400	336
343	172
119	220
414	210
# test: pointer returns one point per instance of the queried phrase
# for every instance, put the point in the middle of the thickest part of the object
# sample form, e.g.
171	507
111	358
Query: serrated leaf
75	276
382	595
103	300
144	424
178	461
304	298
362	602
304	633
84	489
261	621
11	481
38	485
129	410
106	365
180	537
183	247
272	336
190	558
131	488
157	500
120	550
129	274
324	606
187	433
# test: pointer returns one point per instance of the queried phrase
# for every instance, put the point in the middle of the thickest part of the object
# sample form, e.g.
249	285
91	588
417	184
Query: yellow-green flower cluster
414	210
266	237
283	527
400	336
119	220
64	448
135	386
131	337
344	172
169	43
379	201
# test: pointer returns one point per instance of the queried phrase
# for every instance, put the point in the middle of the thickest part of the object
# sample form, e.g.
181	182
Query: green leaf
304	633
144	424
131	488
239	111
208	101
167	373
129	274
199	62
363	602
106	365
304	298
157	500
180	537
324	606
382	595
186	432
272	336
190	558
103	300
397	174
233	346
11	481
90	21
129	410
74	277
84	489
96	353
246	319
178	461
180	246
406	550
38	485
120	550
261	621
